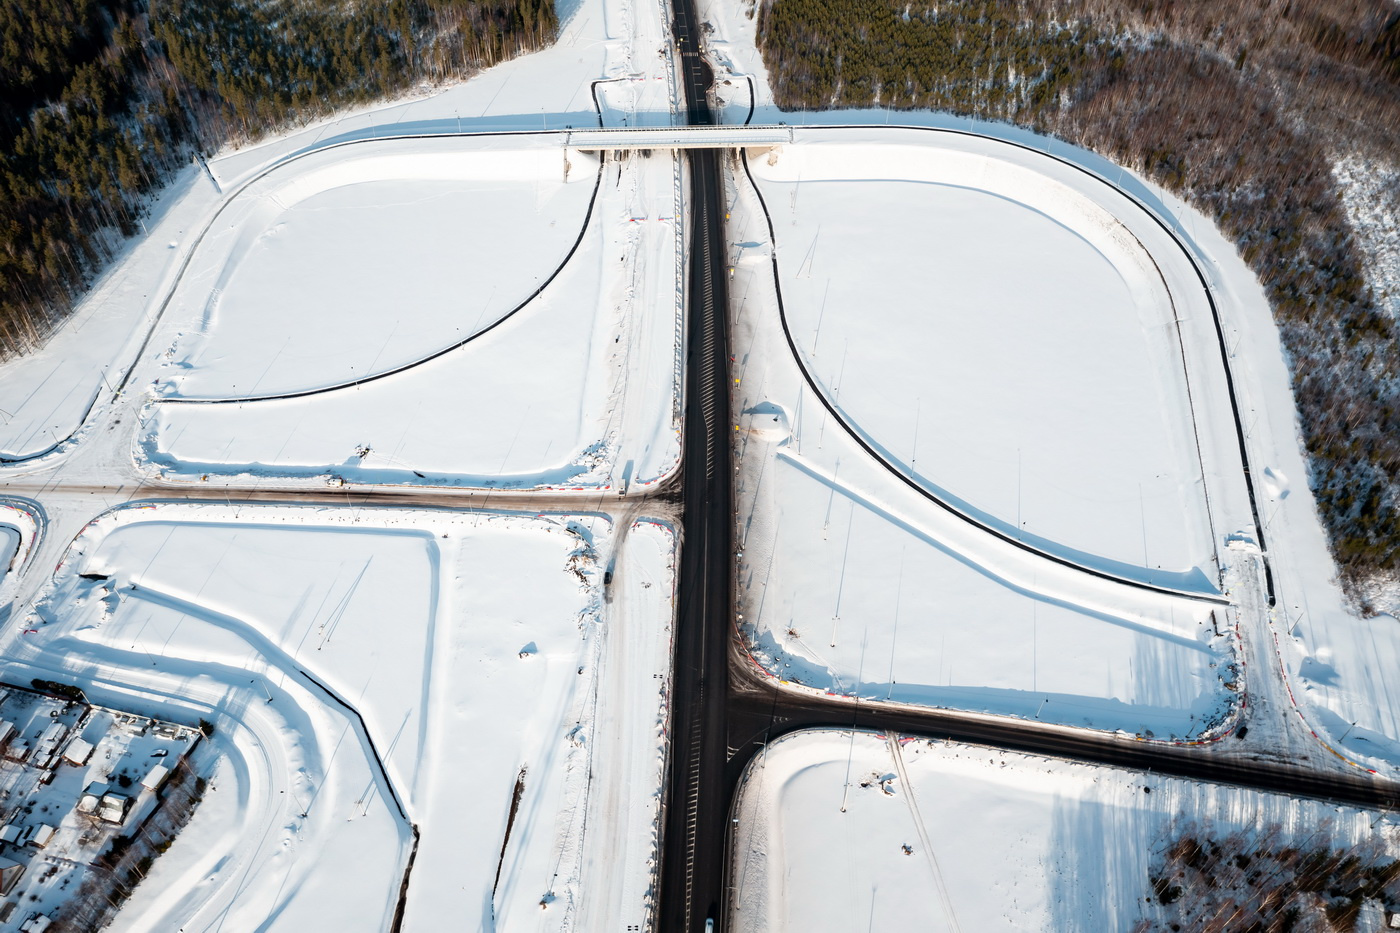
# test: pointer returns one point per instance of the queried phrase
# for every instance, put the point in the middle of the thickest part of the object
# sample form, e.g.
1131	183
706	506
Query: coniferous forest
1240	107
103	99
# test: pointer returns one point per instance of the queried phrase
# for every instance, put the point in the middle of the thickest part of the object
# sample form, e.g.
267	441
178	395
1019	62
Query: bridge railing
679	137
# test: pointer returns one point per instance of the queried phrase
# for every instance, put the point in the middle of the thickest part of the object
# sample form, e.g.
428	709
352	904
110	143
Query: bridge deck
679	137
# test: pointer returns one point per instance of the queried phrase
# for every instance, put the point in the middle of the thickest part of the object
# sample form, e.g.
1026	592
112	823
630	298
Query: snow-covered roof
155	777
78	751
10	870
112	808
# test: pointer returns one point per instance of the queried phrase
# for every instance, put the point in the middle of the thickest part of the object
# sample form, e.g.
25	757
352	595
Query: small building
17	750
155	778
49	741
42	835
7	731
10	870
91	798
112	807
78	751
35	924
137	726
10	833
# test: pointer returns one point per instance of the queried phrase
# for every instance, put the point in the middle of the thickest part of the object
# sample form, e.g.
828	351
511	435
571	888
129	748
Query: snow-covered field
19	529
857	599
861	831
360	260
1030	522
377	675
1000	336
459	317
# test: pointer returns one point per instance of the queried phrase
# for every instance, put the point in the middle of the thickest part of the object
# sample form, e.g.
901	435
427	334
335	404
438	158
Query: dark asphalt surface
723	712
692	863
760	712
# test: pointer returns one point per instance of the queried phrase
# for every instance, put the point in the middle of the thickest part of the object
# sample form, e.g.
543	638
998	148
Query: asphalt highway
693	857
760	712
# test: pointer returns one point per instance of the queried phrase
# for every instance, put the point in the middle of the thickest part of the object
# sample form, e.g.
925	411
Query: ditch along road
724	712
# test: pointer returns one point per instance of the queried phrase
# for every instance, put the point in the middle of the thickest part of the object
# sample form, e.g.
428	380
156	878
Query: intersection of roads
723	710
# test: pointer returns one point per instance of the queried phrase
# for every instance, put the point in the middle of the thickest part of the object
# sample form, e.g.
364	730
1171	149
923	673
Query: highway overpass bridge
679	137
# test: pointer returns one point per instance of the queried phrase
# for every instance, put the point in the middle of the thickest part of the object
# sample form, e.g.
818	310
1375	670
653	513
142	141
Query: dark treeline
100	100
1267	883
1239	106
